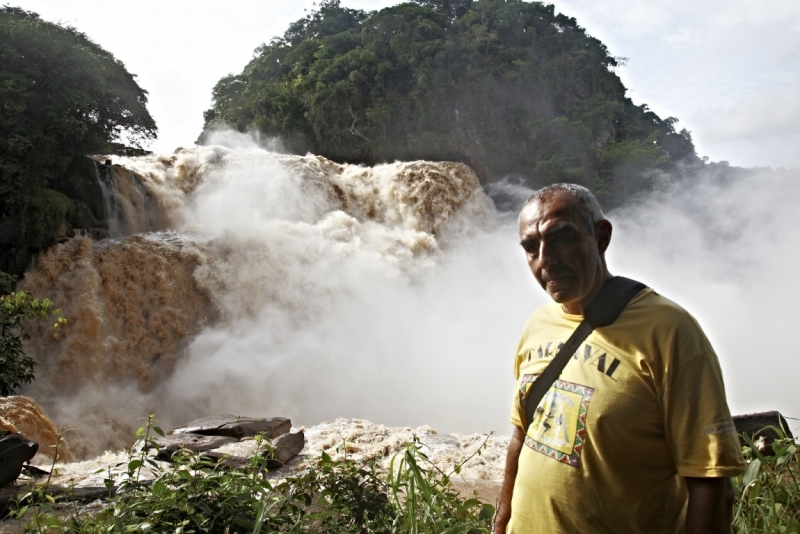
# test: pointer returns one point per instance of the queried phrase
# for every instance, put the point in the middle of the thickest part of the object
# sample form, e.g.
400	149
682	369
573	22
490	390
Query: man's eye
530	247
563	238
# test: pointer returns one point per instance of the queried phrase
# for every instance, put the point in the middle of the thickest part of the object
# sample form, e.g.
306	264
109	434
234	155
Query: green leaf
752	472
133	465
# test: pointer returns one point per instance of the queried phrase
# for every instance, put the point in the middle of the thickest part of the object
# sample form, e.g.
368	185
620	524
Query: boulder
287	446
15	450
236	426
22	415
278	454
236	454
170	444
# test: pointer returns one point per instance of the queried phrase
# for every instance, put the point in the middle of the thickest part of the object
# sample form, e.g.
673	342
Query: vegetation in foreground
346	496
768	494
325	496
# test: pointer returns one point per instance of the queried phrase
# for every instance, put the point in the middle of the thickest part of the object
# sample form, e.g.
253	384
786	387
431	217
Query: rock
21	414
15	450
758	425
236	454
283	449
11	495
170	444
236	426
288	446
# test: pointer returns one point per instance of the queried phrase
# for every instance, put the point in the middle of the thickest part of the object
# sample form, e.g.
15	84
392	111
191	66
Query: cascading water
279	285
256	283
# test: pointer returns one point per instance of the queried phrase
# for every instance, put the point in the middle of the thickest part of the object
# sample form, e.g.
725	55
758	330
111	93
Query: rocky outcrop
15	450
171	444
232	439
22	415
236	426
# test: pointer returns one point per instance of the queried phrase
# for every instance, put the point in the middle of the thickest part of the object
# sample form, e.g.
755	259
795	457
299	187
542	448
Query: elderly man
636	435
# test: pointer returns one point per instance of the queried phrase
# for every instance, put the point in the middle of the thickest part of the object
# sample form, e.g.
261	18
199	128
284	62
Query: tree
15	367
61	97
506	86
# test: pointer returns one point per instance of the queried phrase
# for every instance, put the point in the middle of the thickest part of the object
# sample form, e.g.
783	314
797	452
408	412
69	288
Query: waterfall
231	274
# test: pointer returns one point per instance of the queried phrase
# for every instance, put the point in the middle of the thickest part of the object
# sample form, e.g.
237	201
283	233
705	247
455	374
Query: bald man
636	435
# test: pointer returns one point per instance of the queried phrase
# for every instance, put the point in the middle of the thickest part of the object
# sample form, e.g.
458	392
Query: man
636	435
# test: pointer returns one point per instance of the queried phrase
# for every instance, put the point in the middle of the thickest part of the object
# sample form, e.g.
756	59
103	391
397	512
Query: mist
293	286
726	247
437	347
357	321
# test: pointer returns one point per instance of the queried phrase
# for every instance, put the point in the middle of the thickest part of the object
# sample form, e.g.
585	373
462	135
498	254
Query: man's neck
577	307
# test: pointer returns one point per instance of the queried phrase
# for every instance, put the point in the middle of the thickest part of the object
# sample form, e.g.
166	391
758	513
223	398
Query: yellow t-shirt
639	406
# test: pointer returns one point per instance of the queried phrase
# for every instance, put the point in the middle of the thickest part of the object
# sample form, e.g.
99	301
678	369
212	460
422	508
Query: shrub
15	367
768	494
325	496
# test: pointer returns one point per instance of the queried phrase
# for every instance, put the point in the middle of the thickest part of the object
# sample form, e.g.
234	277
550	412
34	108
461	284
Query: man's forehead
557	205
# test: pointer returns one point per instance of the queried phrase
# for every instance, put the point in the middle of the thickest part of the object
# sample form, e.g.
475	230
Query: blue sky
729	70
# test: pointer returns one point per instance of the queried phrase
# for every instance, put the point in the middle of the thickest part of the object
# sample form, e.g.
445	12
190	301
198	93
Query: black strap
602	311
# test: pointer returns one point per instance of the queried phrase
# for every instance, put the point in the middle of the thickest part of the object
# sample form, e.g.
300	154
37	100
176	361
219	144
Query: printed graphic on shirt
720	427
585	354
558	428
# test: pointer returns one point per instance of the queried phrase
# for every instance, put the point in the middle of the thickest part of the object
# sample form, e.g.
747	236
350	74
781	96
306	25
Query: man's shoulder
652	316
652	306
648	310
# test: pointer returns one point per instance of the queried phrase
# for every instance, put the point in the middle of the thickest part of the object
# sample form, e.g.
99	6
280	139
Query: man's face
563	256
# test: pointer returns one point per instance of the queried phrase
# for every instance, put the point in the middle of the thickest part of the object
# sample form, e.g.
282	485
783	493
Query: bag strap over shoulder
602	311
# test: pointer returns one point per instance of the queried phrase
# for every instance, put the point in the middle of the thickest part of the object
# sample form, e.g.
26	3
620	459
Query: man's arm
710	506
512	460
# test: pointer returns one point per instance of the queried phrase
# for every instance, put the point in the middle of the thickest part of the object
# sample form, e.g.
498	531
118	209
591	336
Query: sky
729	70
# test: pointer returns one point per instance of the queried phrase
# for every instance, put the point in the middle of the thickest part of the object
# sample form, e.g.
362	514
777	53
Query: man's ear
602	233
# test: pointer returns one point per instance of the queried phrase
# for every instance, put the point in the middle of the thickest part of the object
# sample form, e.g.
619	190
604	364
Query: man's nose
547	254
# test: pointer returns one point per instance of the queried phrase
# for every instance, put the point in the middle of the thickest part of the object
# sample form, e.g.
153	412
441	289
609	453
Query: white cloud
713	64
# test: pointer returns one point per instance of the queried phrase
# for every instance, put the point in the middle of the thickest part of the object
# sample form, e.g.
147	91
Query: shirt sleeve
515	401
700	432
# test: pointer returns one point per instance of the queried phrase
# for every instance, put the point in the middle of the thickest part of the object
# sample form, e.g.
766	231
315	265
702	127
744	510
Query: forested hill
508	87
62	97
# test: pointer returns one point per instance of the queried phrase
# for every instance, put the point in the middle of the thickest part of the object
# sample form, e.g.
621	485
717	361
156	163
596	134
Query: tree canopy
61	97
16	368
506	86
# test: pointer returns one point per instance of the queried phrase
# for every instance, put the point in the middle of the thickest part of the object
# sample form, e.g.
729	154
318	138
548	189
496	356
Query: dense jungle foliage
61	97
506	86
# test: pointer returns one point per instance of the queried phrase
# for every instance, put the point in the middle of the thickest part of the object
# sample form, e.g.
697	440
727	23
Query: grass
345	496
325	496
768	494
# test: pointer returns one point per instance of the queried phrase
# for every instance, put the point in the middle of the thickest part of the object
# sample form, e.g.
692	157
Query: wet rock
22	415
170	444
288	446
278	453
236	454
11	495
236	426
15	450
